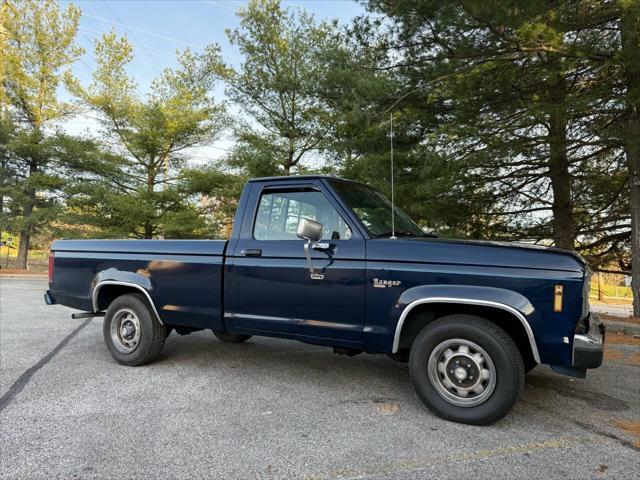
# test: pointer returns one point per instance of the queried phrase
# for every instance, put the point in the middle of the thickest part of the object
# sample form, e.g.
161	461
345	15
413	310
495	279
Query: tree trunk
151	179
563	223
630	25
632	148
289	161
148	231
23	249
25	232
165	169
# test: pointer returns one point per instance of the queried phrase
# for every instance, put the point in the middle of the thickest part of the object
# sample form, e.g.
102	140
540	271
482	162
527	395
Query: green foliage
138	189
511	103
277	86
37	49
218	193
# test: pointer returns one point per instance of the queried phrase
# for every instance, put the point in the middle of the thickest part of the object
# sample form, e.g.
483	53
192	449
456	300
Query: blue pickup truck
317	259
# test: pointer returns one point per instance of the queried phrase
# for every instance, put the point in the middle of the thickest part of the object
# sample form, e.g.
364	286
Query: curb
622	327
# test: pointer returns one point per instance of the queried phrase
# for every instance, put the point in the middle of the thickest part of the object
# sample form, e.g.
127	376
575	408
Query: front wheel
466	369
132	334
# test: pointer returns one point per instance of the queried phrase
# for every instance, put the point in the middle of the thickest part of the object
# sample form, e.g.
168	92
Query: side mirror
309	230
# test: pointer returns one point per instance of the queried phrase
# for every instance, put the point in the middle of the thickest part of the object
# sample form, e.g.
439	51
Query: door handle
252	252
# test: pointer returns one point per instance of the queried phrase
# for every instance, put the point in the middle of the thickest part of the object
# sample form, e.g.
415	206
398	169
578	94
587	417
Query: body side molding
99	285
468	301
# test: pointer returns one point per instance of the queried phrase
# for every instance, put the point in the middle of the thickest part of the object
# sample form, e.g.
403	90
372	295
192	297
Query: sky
158	28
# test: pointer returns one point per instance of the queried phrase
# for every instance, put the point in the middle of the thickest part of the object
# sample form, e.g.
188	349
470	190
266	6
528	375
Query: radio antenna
393	213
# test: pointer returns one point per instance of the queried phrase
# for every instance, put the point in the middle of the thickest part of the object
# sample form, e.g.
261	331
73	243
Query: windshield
374	210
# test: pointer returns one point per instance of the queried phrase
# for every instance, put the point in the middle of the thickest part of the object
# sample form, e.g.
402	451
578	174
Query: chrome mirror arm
307	253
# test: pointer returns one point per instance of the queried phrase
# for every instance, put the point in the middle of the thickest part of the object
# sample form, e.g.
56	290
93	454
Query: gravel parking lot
279	409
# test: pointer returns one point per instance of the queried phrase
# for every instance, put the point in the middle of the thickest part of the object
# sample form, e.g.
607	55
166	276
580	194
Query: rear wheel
227	337
131	332
466	369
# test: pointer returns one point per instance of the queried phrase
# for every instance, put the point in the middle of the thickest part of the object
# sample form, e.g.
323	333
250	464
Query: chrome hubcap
125	331
462	372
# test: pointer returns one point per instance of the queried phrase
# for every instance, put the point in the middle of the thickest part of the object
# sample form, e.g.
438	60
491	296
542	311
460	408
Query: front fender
518	305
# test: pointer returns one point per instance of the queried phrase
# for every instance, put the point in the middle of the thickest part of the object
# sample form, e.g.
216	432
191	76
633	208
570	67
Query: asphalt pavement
272	408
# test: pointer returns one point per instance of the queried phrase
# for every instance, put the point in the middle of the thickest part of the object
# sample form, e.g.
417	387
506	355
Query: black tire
504	364
151	333
227	337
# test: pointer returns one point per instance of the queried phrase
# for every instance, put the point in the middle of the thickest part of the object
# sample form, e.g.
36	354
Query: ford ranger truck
317	259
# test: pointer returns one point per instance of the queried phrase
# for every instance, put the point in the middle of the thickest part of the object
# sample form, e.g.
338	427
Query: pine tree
37	50
138	190
518	142
276	87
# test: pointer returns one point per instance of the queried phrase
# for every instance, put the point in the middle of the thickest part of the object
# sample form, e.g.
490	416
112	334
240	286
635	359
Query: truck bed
183	277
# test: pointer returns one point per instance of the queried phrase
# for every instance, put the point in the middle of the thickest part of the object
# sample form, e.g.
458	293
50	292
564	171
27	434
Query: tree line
513	121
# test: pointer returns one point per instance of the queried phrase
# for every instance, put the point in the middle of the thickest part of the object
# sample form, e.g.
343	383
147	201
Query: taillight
51	267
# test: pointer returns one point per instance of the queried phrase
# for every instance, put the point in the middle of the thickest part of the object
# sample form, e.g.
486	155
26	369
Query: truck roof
292	178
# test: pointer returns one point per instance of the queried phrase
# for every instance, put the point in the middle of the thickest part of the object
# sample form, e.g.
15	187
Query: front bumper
588	343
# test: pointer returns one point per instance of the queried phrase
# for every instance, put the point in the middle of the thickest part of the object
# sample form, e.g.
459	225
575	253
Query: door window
279	213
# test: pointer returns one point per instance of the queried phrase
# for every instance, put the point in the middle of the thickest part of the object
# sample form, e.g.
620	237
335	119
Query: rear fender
113	276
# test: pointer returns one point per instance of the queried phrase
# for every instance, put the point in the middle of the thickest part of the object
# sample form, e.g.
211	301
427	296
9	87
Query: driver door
272	290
